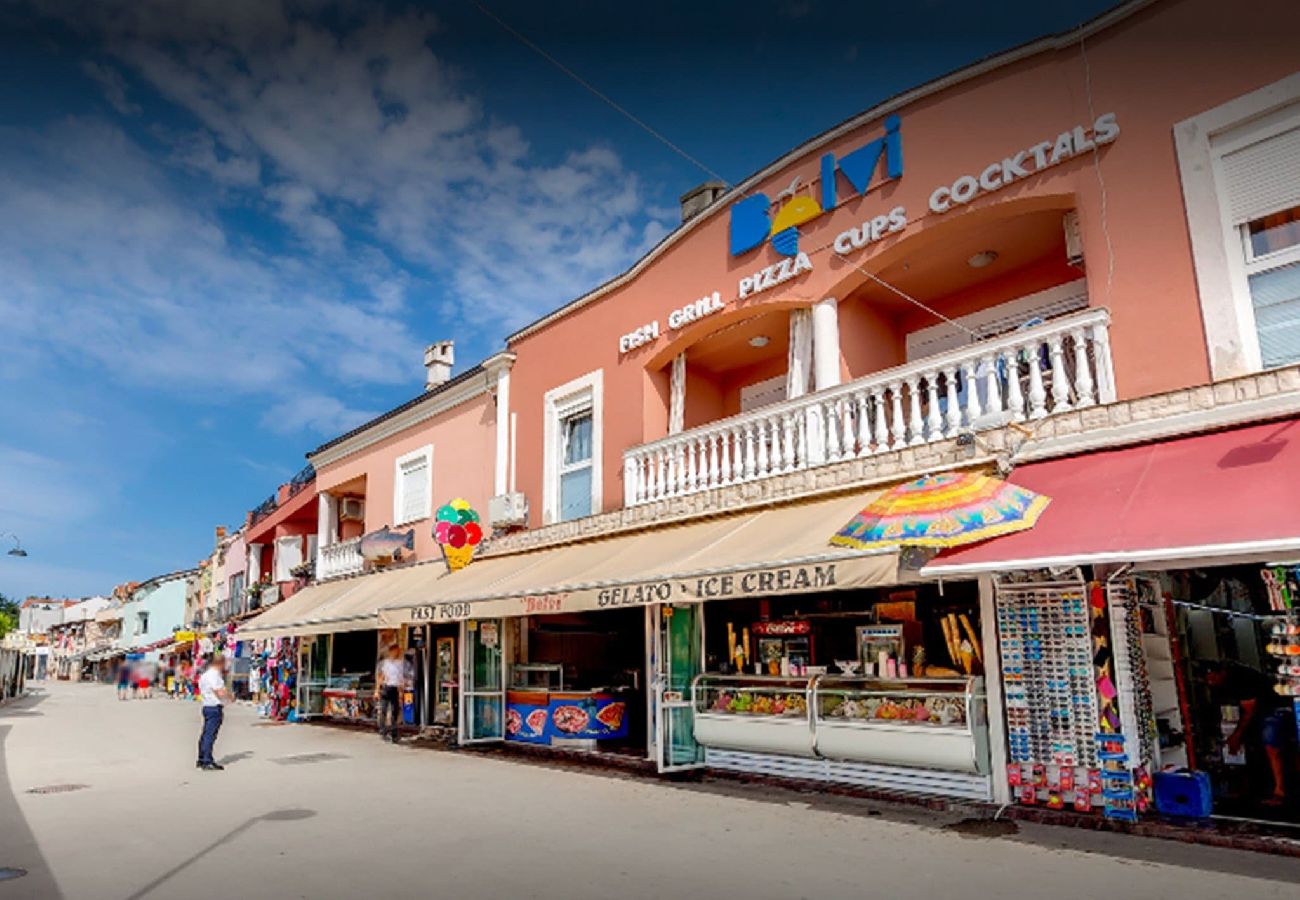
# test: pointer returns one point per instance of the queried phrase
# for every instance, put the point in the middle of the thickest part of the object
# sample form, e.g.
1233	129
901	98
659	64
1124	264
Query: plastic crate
1184	794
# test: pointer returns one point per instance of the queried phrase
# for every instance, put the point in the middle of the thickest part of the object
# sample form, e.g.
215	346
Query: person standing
124	680
212	690
391	677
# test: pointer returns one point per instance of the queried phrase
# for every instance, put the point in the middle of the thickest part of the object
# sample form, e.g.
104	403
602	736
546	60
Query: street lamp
18	547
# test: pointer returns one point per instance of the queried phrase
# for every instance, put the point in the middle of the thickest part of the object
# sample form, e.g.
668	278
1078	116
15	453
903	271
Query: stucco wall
1155	68
463	441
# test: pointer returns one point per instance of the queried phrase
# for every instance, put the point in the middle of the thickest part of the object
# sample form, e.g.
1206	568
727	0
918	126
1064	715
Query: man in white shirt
391	678
212	690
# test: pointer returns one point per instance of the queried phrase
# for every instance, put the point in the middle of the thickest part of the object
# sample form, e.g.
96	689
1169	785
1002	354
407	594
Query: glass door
313	674
482	711
444	681
678	651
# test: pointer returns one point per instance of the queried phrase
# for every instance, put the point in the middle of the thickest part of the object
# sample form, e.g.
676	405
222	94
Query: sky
228	228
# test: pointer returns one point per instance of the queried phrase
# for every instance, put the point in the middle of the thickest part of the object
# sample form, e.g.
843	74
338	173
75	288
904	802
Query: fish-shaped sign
387	544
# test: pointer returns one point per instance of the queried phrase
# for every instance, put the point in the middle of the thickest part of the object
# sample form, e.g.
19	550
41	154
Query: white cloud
363	134
113	85
317	412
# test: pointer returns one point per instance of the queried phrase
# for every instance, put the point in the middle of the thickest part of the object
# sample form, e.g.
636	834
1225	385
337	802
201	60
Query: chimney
221	533
698	199
438	360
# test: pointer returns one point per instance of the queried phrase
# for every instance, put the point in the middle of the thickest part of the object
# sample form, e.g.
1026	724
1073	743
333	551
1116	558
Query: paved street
306	811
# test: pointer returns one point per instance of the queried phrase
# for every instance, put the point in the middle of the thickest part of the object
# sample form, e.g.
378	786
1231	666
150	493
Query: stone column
800	358
826	344
498	368
327	520
677	395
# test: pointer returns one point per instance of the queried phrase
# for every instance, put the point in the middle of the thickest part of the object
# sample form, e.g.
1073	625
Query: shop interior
354	659
435	692
920	631
586	671
1237	652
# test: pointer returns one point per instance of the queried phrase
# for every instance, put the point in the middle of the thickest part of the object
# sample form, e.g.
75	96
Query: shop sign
782	629
753	224
488	635
1030	161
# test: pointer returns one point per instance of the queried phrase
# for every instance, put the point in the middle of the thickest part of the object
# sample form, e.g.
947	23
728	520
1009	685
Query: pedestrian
391	676
212	690
123	680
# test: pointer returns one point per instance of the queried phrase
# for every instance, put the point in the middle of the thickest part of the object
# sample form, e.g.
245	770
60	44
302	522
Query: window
142	623
572	450
237	592
1271	245
288	555
413	486
575	466
1240	168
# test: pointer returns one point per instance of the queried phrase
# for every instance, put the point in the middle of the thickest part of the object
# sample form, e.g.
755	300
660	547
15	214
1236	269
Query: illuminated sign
752	222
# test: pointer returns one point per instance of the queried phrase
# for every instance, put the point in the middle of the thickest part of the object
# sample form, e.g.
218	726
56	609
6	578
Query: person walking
124	680
212	690
391	677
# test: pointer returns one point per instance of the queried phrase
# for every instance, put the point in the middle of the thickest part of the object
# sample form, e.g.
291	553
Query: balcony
336	560
1027	375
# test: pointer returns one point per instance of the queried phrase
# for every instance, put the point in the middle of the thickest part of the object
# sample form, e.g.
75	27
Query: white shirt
392	672
210	682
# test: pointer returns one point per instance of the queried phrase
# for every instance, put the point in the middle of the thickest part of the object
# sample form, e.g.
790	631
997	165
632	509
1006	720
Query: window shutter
1263	177
415	489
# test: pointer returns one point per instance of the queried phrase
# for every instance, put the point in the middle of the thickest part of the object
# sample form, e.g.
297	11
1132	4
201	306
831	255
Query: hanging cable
598	93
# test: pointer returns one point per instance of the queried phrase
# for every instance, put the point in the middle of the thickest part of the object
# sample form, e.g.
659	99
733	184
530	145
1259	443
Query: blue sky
228	228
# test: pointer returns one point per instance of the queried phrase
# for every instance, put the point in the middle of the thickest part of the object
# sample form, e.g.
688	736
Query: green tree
8	615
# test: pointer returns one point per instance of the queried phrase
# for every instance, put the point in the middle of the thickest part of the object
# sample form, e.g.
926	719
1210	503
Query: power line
598	93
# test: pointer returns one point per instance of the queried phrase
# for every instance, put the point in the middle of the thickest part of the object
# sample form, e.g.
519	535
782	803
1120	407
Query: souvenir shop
1150	651
577	680
1234	654
337	675
880	687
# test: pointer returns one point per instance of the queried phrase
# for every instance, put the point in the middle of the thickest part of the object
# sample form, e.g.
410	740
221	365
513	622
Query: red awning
1230	494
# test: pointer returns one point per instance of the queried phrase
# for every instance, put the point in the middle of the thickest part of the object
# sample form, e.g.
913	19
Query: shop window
572	450
413	486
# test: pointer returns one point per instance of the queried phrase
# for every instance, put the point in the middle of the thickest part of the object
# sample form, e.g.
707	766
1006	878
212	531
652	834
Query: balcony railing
343	558
1026	375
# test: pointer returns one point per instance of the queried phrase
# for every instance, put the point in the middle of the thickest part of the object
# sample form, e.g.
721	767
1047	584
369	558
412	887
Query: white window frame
425	452
1221	265
584	392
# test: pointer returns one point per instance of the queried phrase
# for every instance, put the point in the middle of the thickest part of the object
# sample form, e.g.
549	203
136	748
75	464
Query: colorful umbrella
943	511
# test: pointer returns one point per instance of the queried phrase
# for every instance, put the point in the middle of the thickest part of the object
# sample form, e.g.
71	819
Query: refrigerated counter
926	723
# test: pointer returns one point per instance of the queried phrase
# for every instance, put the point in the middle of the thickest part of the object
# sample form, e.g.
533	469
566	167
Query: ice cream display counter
928	723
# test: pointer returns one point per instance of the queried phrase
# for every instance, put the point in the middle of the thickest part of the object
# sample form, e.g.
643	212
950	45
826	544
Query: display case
537	677
934	723
349	697
757	713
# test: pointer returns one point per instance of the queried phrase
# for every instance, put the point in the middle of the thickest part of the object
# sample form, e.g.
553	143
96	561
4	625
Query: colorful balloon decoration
458	532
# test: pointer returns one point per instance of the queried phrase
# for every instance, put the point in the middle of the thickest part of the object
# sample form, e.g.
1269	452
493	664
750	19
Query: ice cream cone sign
458	533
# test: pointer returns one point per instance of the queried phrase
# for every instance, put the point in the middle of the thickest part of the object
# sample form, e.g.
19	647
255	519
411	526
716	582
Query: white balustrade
342	558
1061	365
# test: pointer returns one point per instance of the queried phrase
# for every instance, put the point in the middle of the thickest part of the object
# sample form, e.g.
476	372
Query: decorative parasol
943	511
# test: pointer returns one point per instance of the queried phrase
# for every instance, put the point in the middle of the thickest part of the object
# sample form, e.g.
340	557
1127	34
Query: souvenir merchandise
1051	690
1119	783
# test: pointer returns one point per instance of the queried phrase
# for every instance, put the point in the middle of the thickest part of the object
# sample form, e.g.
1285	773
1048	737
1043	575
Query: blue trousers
212	716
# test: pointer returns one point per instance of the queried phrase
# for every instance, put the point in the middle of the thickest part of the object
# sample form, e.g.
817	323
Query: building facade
1071	248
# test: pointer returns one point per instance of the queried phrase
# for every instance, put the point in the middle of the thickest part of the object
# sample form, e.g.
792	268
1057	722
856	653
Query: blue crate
1184	794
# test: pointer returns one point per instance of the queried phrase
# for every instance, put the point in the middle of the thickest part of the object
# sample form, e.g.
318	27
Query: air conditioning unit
352	509
508	510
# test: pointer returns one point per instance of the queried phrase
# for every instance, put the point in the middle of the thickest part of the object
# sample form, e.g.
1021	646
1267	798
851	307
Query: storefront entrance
577	681
1237	652
676	660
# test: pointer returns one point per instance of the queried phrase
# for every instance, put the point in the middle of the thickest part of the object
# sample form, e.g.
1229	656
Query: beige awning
313	610
782	550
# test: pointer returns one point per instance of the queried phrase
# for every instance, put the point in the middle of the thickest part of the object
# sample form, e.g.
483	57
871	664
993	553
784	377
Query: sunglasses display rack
1137	709
1051	695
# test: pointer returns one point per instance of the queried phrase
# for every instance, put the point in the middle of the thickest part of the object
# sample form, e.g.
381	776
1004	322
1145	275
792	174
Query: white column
826	344
502	480
800	358
254	563
993	690
327	520
677	395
